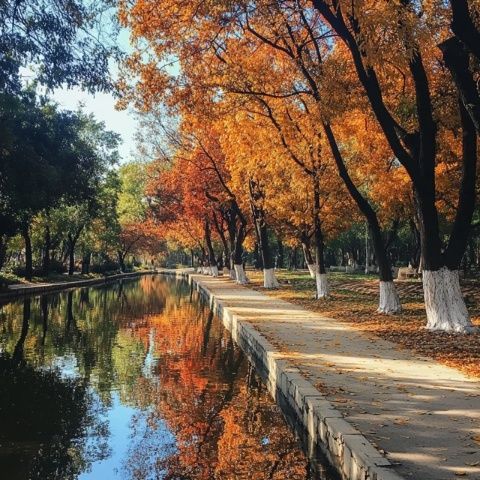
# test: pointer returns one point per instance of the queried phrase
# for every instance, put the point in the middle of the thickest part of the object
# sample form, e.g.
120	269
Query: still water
136	380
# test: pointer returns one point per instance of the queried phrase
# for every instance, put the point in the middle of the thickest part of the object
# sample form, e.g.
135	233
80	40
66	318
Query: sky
102	105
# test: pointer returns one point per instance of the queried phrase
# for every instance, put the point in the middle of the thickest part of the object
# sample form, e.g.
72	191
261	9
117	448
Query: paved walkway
424	416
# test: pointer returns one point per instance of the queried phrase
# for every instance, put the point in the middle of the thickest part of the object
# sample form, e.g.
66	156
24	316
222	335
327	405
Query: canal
135	380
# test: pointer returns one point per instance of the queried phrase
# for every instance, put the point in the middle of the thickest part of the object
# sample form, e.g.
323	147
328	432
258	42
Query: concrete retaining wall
346	448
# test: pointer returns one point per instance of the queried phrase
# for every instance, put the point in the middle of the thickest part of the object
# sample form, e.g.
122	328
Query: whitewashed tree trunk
214	271
269	279
420	265
240	276
312	268
233	275
389	301
321	281
444	303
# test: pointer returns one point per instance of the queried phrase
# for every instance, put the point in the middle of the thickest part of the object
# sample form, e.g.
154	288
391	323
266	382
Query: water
136	380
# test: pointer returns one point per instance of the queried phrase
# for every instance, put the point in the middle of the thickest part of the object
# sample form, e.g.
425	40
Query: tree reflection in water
45	422
199	410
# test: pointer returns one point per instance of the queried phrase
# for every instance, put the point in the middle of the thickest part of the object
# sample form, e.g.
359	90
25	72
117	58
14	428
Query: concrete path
424	416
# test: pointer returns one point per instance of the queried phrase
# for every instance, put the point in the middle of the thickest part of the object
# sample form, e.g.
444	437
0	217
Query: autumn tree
267	52
409	48
194	188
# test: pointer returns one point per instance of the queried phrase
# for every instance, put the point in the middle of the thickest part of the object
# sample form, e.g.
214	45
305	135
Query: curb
53	287
347	449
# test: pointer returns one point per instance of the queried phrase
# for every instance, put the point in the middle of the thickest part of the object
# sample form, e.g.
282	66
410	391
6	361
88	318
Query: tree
414	143
64	43
192	191
51	159
343	63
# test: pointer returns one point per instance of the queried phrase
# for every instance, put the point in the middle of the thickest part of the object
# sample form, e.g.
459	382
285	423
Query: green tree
66	43
50	159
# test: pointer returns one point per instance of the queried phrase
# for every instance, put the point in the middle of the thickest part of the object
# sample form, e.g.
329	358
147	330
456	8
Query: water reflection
136	380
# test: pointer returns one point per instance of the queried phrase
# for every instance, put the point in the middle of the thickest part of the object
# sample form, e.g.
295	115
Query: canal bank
21	290
377	411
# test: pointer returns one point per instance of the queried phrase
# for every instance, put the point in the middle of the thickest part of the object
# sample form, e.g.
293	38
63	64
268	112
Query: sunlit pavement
424	416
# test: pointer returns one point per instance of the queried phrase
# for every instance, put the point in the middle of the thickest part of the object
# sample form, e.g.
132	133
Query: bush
107	267
57	267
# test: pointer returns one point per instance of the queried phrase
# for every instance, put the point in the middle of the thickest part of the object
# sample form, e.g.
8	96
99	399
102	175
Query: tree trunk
240	275
457	60
463	26
444	303
307	253
269	279
312	267
257	257
321	279
389	302
86	263
71	254
237	254
236	229
3	250
294	259
261	230
226	251
28	252
121	260
212	261
415	256
46	251
72	241
220	264
281	254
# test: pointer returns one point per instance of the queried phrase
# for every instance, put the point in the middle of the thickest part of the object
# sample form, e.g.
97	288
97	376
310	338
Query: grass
10	278
354	300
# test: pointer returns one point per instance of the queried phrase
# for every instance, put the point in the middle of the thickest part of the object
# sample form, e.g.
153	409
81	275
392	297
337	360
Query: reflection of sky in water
130	434
66	365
